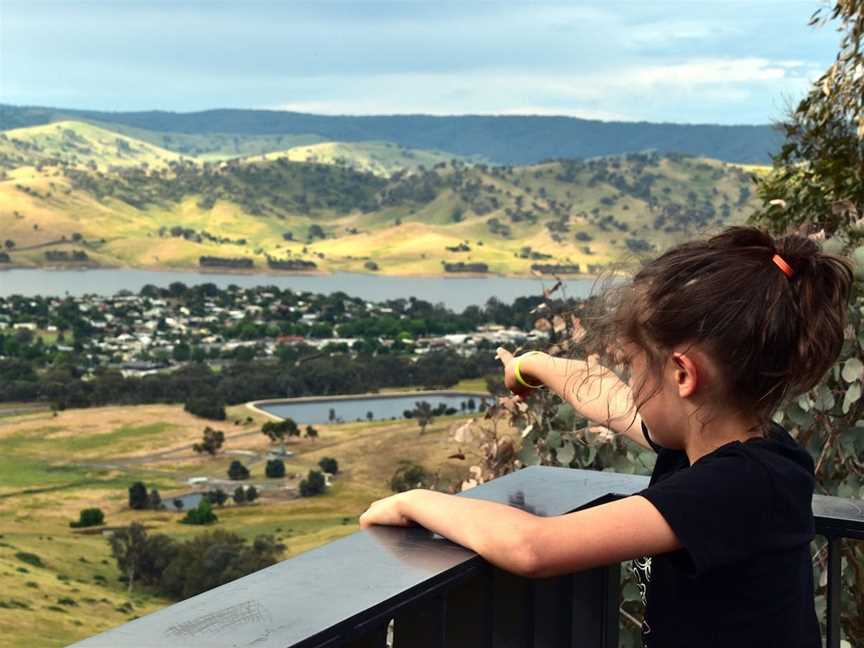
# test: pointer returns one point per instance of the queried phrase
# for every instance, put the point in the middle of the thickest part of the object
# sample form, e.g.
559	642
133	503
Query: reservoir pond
308	411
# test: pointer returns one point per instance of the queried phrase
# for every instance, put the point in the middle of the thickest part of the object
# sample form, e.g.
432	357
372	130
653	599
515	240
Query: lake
306	411
454	292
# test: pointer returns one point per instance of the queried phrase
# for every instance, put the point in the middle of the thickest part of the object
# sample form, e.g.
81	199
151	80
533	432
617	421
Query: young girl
715	335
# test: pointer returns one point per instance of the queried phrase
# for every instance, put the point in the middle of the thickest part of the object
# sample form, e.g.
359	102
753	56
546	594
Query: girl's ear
686	374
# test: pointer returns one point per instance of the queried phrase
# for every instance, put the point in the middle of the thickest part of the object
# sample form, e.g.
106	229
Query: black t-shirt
743	514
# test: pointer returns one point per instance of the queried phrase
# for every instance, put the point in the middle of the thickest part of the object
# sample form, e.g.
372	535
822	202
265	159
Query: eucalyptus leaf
528	455
853	369
799	417
553	439
853	394
858	436
565	454
630	592
823	398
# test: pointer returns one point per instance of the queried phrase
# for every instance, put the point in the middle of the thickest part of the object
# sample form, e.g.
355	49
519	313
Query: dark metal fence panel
512	602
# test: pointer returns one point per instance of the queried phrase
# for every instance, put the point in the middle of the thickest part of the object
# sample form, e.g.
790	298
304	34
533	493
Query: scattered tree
89	517
328	464
138	498
154	501
128	547
237	471
217	496
423	414
212	441
275	469
407	476
314	484
201	514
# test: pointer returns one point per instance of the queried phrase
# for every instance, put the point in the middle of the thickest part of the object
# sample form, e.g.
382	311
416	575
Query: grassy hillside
591	212
76	592
77	143
379	158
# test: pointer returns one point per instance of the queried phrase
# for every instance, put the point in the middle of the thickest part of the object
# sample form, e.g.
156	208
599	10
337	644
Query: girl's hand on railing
510	382
385	511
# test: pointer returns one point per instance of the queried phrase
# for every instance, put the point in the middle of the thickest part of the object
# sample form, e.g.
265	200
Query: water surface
454	292
357	408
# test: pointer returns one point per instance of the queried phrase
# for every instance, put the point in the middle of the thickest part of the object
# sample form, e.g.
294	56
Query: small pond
190	501
375	407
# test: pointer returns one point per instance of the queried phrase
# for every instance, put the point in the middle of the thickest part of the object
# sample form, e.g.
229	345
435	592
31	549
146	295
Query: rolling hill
77	143
169	213
500	139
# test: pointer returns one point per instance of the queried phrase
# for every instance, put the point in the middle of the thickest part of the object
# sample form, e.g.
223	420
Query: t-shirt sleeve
719	508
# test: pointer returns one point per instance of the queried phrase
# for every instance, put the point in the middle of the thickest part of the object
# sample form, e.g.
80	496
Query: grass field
53	466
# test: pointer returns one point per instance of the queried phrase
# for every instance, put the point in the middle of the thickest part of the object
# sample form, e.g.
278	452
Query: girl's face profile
643	385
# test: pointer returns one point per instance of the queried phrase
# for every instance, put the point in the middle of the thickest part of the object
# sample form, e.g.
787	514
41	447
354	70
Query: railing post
423	624
833	593
512	604
595	607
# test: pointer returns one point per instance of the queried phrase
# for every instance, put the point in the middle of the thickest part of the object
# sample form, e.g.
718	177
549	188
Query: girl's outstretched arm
528	544
603	398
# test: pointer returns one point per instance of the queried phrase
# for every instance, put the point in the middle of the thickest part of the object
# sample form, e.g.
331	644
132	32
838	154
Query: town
159	330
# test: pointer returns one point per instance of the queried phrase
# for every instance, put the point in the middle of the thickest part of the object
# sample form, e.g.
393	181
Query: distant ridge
500	139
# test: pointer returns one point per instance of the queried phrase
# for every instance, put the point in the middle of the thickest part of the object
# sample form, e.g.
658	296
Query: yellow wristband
518	375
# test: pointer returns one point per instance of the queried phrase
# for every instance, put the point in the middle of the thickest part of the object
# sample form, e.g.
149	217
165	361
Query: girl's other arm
531	545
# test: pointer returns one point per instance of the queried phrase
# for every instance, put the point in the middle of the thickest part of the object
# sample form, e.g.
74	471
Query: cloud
707	61
706	90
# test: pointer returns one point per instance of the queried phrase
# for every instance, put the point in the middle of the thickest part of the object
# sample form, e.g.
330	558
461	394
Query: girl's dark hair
771	336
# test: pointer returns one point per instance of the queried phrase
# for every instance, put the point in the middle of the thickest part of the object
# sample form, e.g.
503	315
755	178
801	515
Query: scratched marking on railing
220	620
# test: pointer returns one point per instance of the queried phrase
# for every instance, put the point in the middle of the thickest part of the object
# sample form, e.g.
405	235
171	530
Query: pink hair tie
785	267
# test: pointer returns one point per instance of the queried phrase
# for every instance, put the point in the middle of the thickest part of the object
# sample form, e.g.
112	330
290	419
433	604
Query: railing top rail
305	600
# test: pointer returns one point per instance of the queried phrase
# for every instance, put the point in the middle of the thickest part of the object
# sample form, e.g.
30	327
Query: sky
684	61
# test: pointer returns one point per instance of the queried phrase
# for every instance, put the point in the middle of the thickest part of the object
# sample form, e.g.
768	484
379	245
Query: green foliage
245	494
237	471
201	514
275	469
423	413
183	569
129	549
154	500
216	496
29	558
211	442
314	484
409	475
138	496
206	407
329	464
817	185
89	517
278	430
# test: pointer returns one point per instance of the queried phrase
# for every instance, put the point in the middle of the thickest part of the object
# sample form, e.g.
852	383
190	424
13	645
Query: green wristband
518	374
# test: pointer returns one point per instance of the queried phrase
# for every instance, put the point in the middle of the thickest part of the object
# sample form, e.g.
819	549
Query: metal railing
435	592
